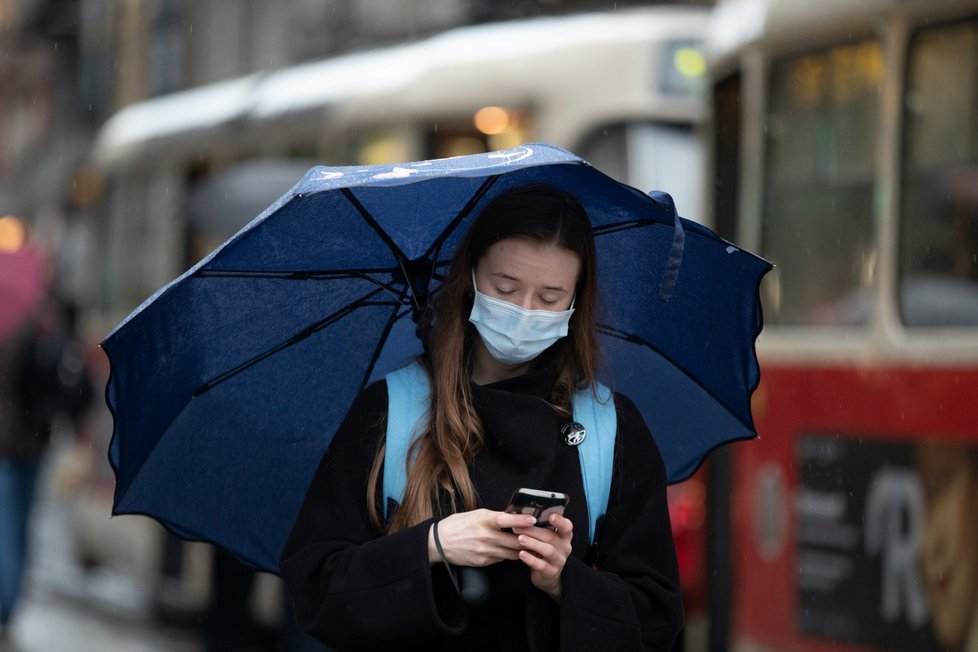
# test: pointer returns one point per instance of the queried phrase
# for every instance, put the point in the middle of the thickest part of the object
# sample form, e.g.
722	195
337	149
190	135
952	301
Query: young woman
509	337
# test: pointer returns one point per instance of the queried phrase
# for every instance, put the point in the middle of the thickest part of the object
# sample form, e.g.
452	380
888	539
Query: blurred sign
864	532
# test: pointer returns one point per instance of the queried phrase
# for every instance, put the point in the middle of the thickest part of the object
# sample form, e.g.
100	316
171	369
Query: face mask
513	334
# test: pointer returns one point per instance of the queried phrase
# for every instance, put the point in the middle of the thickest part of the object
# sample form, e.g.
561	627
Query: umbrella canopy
23	282
228	383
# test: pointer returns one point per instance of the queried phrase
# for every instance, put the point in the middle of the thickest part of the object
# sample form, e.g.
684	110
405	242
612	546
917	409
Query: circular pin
574	433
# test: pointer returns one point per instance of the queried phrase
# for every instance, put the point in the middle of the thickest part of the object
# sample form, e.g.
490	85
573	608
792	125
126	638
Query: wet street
65	609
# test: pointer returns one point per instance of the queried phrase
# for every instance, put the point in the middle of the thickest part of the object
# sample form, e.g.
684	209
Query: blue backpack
408	392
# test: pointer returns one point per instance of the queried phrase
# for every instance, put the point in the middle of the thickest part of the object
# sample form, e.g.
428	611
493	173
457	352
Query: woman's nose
526	302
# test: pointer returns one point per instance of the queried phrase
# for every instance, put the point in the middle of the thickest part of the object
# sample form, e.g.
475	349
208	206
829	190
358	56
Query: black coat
357	589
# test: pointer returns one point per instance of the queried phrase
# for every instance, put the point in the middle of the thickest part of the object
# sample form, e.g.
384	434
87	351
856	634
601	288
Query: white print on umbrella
513	155
510	156
396	173
520	153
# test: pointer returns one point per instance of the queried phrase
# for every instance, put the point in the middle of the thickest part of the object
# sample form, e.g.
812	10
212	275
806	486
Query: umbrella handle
475	586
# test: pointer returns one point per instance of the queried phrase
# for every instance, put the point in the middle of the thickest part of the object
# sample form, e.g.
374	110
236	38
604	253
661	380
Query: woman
362	581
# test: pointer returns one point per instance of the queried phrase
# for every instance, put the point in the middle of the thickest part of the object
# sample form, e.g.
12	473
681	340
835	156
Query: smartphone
539	503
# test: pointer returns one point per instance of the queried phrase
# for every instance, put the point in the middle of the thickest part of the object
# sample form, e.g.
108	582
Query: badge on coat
574	433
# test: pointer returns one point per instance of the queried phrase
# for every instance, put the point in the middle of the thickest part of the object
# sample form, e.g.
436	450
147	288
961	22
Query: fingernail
522	538
531	520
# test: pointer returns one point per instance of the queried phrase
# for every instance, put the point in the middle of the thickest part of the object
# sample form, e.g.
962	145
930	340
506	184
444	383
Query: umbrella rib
372	222
298	337
380	345
319	275
635	339
462	214
623	226
305	275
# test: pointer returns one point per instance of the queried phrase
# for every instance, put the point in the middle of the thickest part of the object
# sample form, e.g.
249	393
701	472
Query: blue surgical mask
513	334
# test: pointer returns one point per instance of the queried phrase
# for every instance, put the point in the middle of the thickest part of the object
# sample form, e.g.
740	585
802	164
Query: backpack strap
595	410
408	397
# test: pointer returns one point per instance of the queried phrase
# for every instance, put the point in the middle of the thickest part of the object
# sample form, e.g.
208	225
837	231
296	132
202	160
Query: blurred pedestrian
228	624
43	377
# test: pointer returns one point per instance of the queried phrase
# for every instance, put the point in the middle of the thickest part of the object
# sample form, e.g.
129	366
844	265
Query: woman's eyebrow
503	275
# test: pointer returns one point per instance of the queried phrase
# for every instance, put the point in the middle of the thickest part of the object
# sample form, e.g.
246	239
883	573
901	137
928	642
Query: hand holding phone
539	503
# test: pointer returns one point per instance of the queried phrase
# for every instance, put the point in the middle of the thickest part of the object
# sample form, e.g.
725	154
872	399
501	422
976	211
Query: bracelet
441	553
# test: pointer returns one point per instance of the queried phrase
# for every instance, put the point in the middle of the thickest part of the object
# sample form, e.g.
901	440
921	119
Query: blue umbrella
228	383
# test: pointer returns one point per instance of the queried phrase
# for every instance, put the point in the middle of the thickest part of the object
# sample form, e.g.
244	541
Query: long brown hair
439	478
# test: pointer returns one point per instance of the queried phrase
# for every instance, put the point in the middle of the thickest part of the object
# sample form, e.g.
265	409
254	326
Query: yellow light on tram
689	62
13	233
492	120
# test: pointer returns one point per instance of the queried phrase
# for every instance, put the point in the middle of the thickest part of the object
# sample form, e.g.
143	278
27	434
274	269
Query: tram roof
188	119
736	25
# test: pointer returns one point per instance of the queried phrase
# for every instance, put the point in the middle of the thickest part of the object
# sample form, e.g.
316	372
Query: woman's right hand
477	538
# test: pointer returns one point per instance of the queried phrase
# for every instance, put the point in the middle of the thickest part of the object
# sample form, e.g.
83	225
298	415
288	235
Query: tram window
143	239
123	288
667	157
379	147
448	140
939	221
818	189
651	156
605	149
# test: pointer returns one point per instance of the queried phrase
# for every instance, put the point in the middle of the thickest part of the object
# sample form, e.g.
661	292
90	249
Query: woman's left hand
545	551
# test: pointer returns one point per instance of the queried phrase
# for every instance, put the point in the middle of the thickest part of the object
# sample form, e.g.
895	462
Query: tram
622	89
625	90
844	148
